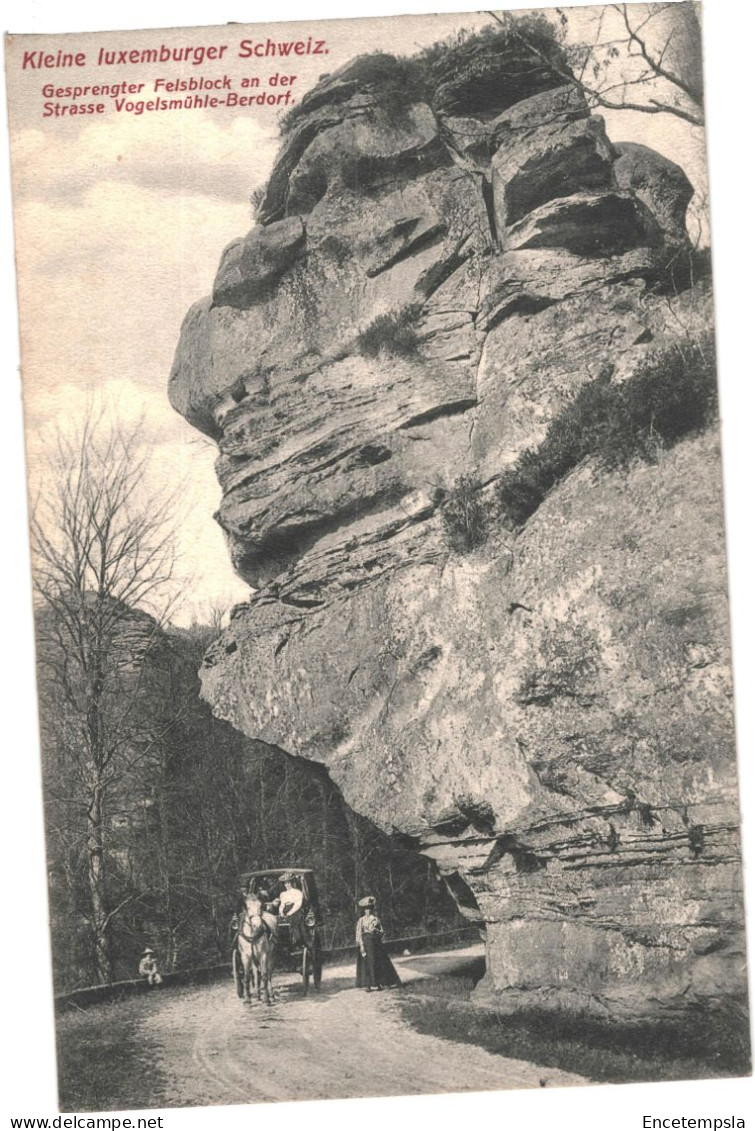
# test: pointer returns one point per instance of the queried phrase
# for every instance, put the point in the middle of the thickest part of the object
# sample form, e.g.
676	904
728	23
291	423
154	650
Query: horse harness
264	928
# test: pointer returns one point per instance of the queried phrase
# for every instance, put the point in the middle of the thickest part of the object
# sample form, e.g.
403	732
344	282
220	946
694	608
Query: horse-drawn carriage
282	917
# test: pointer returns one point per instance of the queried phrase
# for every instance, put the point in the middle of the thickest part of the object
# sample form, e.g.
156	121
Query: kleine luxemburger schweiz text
37	60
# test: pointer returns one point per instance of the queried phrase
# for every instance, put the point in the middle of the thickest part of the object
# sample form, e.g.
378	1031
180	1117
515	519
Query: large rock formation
548	717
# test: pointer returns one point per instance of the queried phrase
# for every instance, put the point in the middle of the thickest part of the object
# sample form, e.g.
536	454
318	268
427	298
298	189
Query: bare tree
103	564
649	61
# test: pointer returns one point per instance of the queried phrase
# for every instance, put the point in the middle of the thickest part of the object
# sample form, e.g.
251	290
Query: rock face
548	717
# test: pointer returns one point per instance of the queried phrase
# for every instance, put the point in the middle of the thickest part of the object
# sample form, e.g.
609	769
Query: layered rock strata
548	717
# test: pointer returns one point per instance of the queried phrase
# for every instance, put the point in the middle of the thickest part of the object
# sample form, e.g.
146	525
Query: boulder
364	150
586	224
661	185
547	716
362	88
551	161
558	105
273	205
483	78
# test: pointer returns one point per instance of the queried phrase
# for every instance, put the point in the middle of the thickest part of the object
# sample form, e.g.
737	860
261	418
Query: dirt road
207	1047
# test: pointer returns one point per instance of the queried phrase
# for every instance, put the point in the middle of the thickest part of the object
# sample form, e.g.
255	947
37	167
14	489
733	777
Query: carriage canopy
272	878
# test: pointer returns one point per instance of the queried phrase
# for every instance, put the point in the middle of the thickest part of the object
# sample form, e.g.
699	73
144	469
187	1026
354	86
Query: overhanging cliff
431	280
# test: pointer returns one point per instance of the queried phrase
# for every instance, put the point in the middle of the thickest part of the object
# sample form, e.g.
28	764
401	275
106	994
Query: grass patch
451	54
465	516
392	333
700	1047
258	196
672	396
395	88
102	1061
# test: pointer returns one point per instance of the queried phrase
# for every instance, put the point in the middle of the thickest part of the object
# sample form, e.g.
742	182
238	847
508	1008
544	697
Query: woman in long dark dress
374	968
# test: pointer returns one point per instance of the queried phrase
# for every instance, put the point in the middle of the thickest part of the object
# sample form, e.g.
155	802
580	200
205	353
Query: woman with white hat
374	967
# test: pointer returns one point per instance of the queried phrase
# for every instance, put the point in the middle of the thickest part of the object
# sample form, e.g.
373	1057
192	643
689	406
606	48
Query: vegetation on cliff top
673	394
648	63
395	83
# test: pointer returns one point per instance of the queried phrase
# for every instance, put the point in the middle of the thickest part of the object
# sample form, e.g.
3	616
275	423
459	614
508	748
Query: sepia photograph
379	581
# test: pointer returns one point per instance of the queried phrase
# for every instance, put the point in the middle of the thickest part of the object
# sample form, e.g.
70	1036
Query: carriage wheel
306	967
238	973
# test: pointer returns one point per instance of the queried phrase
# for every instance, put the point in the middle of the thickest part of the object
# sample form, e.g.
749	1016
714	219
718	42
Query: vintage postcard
380	590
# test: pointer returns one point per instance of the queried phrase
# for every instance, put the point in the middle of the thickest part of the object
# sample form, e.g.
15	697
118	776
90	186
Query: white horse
254	957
